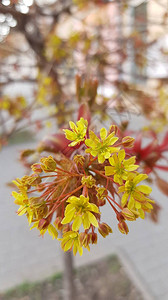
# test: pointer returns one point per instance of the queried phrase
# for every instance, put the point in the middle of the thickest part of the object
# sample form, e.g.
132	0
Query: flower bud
122	226
43	224
36	168
48	164
104	229
26	153
113	128
101	196
128	141
93	238
34	179
58	224
66	228
84	239
79	160
130	215
89	181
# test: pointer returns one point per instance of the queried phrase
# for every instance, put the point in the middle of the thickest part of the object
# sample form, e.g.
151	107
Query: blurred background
53	56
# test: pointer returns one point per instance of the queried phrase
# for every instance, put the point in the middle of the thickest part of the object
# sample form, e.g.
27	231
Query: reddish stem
116	211
115	202
62	200
91	161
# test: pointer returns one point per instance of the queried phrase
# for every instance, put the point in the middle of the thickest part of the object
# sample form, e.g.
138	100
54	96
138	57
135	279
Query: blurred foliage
45	43
114	48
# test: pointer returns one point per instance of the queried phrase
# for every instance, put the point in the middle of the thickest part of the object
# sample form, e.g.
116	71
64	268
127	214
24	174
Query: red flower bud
93	237
58	224
43	224
104	229
122	226
128	141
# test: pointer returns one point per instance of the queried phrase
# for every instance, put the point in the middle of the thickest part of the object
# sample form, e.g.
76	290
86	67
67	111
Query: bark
69	283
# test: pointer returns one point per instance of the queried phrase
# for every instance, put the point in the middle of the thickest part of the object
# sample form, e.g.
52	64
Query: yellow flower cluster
69	192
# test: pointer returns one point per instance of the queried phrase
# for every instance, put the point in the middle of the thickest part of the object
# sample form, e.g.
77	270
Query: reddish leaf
162	185
154	215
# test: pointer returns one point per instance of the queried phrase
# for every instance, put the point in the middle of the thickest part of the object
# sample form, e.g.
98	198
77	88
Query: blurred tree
45	43
121	45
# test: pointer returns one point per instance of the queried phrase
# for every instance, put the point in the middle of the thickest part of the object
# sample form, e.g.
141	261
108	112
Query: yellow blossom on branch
48	164
77	132
80	211
135	196
66	193
22	200
50	228
70	240
120	167
102	148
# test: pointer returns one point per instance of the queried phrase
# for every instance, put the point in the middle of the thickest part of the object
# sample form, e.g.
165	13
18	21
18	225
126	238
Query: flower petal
103	133
124	199
144	189
92	219
77	223
109	170
121	155
139	178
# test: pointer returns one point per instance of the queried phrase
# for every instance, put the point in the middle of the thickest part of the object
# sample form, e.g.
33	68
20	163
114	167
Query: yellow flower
89	181
135	195
21	184
50	228
22	200
48	164
101	147
38	207
33	207
77	132
102	194
71	239
120	167
26	181
80	210
52	231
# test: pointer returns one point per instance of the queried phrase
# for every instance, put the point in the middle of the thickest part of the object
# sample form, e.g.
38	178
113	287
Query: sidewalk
24	256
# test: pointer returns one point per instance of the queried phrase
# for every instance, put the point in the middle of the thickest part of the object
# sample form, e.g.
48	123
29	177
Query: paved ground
25	256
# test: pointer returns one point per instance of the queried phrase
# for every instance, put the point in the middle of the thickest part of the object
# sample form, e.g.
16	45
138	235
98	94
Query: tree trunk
68	283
